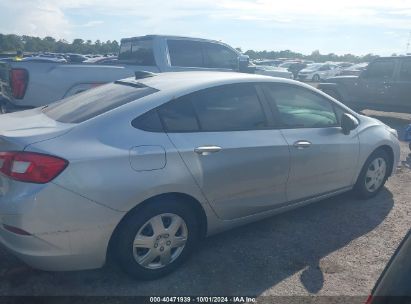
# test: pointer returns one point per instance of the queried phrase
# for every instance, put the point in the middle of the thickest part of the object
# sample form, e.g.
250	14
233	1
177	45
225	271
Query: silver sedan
143	168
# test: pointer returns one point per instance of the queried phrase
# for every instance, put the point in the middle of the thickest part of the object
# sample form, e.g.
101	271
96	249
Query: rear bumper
52	252
67	231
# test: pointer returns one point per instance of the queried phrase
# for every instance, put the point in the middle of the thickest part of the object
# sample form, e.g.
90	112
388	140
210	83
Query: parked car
394	284
294	67
273	71
75	58
34	84
384	85
268	62
355	69
102	59
43	59
199	153
318	71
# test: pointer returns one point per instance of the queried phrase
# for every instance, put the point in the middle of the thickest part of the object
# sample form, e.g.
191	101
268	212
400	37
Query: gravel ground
338	246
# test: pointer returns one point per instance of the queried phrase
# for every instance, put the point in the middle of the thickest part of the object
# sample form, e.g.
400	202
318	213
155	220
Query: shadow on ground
247	260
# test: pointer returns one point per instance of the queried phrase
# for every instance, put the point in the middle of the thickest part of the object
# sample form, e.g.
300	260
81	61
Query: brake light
369	299
31	167
18	82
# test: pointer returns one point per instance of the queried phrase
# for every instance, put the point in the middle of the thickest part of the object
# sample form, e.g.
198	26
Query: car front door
323	159
230	147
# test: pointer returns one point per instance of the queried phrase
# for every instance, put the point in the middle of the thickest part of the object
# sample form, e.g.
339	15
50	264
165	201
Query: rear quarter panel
105	167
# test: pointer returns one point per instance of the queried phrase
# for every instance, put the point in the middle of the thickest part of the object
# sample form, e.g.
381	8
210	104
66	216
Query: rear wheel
373	175
153	241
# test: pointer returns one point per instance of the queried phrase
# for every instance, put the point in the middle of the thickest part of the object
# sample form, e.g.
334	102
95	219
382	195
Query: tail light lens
18	82
31	167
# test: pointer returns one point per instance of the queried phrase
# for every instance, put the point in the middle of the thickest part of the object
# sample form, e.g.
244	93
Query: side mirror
348	123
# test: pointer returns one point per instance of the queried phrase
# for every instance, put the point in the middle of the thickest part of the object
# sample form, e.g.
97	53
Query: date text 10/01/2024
235	299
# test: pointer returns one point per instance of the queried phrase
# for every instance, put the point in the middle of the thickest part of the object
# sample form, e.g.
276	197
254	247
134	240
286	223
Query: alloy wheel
375	175
160	241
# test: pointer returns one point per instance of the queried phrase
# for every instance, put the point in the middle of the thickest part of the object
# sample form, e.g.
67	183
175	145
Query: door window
178	116
229	108
185	53
225	108
219	56
380	70
300	108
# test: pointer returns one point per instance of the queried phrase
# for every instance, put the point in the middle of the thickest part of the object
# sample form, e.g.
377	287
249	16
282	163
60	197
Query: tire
140	223
316	78
363	187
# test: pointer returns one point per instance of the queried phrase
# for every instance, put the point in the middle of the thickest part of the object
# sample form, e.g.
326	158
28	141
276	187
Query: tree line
315	56
12	43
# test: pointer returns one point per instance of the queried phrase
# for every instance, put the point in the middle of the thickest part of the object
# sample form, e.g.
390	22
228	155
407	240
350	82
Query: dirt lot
338	246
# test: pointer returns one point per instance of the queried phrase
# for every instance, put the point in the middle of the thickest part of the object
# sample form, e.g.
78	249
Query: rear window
139	51
88	104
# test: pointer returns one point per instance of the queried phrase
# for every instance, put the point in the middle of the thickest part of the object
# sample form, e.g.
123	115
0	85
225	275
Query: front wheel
153	241
373	175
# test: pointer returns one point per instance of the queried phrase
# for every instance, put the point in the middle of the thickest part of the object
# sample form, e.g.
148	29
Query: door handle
302	144
205	150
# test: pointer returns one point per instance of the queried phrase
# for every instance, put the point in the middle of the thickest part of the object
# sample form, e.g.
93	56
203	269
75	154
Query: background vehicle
199	152
318	71
102	59
294	67
394	284
384	85
34	84
273	71
355	69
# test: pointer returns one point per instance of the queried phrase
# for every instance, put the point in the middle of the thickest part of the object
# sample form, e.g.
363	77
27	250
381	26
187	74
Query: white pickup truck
29	84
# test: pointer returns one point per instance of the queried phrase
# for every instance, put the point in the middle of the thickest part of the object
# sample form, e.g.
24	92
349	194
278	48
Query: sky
346	26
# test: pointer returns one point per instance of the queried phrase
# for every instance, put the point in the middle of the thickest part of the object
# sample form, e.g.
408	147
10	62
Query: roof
166	36
175	81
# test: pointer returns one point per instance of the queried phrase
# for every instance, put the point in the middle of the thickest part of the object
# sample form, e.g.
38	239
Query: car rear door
375	84
323	159
231	148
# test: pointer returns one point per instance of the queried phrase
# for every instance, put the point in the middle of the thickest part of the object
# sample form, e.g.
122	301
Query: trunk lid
20	129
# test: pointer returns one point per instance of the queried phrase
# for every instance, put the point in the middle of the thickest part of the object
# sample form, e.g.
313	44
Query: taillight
31	167
18	82
369	300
